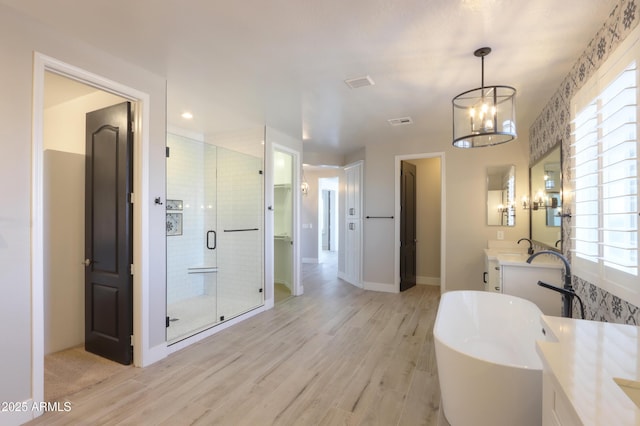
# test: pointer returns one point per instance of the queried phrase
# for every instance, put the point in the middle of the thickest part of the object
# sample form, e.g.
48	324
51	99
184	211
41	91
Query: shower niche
214	231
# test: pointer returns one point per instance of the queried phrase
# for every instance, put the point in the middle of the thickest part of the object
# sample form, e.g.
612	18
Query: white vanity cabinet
508	272
491	278
521	279
556	408
589	372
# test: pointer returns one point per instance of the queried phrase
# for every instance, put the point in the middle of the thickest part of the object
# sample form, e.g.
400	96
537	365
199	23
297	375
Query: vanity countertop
583	363
519	257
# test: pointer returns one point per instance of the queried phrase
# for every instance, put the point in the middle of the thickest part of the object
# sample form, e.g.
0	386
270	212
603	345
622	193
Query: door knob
87	262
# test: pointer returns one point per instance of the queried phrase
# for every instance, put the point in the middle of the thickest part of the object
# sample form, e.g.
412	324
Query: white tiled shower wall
187	164
221	190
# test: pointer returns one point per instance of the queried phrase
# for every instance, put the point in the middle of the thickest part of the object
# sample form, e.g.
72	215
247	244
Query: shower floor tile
190	316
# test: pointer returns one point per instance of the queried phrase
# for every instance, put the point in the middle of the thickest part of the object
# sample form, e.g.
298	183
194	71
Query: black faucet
569	293
530	250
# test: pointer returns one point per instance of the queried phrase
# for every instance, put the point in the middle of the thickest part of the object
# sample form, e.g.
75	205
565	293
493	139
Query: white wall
19	38
465	231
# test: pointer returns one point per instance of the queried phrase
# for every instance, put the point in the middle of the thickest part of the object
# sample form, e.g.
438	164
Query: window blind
604	158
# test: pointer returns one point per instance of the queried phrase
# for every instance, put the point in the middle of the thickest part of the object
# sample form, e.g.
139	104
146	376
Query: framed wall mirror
545	204
501	193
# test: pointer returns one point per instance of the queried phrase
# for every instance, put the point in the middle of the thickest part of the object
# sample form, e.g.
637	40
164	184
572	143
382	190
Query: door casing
443	227
143	355
298	288
408	222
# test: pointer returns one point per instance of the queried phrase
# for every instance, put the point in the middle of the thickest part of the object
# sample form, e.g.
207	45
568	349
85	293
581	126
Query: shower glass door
214	235
240	223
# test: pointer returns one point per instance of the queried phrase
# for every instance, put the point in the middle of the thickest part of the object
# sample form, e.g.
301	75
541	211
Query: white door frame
298	288
141	206
329	184
443	217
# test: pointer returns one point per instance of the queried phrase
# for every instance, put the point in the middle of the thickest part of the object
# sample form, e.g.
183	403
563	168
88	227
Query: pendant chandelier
485	116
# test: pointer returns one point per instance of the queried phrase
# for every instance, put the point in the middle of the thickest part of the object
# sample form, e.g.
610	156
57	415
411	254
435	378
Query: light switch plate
501	235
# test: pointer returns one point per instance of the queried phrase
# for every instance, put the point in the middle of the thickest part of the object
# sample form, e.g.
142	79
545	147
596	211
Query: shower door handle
215	240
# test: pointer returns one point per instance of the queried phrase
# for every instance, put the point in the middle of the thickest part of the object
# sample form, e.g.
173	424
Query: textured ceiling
281	63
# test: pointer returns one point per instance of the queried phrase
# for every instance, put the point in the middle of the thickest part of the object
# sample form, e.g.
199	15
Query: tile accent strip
553	124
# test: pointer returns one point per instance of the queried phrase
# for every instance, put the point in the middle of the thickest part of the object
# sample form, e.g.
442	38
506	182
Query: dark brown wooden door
407	225
108	233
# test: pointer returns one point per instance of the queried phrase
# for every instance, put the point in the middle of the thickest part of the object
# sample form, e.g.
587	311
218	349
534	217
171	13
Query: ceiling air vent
400	121
356	83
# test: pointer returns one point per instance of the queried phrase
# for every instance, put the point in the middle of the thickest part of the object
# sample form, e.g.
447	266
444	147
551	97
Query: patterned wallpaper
553	125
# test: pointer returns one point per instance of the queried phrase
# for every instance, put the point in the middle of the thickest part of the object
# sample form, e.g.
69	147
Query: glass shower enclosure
214	237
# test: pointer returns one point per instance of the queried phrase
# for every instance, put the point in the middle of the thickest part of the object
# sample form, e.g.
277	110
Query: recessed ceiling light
187	115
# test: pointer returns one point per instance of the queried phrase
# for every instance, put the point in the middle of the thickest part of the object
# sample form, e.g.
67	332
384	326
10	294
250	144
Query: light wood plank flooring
336	356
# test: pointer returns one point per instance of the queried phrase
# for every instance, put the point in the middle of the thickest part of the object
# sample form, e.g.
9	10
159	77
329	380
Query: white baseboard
19	413
153	355
382	287
285	283
344	277
269	303
428	281
310	260
210	332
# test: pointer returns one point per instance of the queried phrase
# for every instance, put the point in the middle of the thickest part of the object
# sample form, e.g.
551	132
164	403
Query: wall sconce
538	202
304	186
505	209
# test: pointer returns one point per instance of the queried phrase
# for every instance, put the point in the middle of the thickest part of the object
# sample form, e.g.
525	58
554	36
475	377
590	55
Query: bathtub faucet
567	298
569	294
530	250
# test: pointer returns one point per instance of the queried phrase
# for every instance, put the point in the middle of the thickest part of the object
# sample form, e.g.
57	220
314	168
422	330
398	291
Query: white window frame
619	283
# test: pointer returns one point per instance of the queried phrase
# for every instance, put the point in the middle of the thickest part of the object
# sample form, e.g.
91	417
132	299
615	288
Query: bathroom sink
631	388
513	257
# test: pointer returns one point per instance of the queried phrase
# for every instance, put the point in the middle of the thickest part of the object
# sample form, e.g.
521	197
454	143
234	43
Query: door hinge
168	152
168	321
132	269
132	340
132	197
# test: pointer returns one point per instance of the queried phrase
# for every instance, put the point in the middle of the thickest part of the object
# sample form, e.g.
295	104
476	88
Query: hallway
337	355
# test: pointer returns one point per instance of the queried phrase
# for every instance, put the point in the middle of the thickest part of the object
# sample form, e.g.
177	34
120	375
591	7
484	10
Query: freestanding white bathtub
488	368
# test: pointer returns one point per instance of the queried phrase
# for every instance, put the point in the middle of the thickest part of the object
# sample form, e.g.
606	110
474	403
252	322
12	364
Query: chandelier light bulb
488	125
